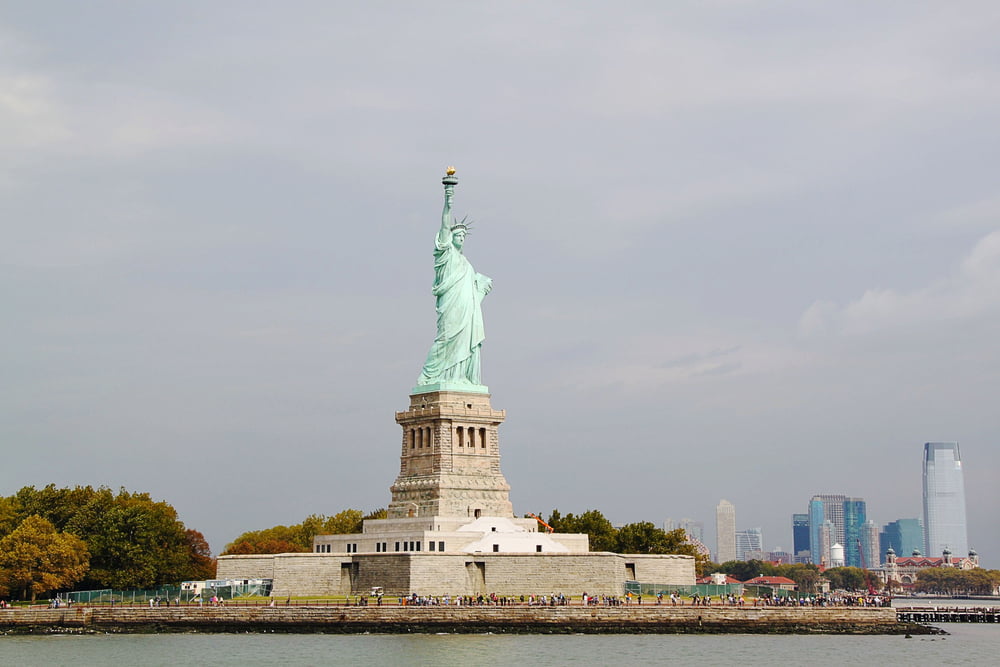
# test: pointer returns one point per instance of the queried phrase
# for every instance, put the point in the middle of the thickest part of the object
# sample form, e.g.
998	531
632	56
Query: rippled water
968	644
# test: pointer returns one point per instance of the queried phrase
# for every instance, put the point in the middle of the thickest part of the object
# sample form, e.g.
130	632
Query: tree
135	542
380	513
805	575
35	558
342	523
846	578
645	538
8	516
642	537
275	540
299	537
262	546
603	536
952	581
203	566
744	570
58	505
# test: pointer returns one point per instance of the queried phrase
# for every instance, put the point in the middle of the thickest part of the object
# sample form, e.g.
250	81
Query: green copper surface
454	357
451	386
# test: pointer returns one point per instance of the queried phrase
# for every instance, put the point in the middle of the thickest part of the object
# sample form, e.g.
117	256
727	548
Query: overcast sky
741	250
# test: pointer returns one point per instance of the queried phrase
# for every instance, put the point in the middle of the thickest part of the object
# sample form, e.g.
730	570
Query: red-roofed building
718	579
779	583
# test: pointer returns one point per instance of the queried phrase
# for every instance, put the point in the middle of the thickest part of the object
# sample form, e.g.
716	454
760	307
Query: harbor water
966	644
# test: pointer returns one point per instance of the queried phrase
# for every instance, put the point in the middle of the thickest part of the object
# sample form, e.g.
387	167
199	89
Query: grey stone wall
457	574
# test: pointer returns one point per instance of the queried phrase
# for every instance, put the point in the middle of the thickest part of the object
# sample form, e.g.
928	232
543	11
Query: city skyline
838	520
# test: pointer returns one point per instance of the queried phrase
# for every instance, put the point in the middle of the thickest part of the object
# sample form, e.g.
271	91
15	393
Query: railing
948	614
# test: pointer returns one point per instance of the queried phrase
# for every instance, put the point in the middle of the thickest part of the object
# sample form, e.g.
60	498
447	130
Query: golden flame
450	171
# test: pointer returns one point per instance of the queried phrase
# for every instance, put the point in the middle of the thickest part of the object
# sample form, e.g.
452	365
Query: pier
948	614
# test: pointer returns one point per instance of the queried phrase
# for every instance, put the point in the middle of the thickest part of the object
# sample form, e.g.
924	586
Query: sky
740	250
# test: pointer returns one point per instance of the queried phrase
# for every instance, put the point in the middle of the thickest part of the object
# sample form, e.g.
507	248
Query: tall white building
944	500
725	531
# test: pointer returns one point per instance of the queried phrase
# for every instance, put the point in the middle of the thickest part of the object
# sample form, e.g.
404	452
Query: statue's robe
454	356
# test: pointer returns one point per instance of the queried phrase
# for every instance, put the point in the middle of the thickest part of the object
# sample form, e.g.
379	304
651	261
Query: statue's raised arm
444	234
453	360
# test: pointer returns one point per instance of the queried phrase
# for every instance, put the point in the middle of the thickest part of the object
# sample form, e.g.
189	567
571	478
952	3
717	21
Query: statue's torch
450	181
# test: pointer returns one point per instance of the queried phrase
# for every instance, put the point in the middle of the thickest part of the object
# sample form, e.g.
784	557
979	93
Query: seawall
433	619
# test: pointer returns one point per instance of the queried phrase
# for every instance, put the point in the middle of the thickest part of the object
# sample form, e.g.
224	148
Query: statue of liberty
454	356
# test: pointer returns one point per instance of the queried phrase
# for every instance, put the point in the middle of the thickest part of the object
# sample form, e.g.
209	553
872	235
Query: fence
109	596
169	594
701	590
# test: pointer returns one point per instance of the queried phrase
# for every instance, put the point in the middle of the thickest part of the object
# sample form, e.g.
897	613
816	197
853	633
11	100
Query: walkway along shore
633	619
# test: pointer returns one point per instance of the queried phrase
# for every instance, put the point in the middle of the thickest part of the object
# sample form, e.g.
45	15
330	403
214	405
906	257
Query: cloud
28	114
42	112
982	212
972	290
696	360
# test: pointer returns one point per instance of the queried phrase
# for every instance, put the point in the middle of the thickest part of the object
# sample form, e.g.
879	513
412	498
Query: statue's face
458	238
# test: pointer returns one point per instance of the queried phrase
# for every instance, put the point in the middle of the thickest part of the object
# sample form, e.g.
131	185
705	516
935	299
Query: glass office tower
750	544
822	508
903	535
944	500
855	516
800	537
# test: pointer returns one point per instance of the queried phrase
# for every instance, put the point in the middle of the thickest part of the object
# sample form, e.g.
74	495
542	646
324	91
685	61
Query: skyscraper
826	543
823	508
800	538
693	529
815	527
869	542
944	500
855	516
725	531
749	544
903	535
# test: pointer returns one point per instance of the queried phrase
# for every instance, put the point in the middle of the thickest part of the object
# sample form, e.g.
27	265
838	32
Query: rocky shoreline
651	619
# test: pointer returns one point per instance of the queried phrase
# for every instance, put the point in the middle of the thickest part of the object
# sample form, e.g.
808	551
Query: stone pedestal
450	460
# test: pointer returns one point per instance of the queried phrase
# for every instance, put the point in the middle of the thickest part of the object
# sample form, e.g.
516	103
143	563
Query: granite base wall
458	573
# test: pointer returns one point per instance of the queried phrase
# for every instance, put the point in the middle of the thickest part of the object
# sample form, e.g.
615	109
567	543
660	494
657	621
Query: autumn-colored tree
299	538
380	513
133	540
952	581
203	566
35	558
58	505
276	540
264	546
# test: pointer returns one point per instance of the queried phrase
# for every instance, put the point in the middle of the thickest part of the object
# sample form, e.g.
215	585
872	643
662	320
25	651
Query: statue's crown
464	224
